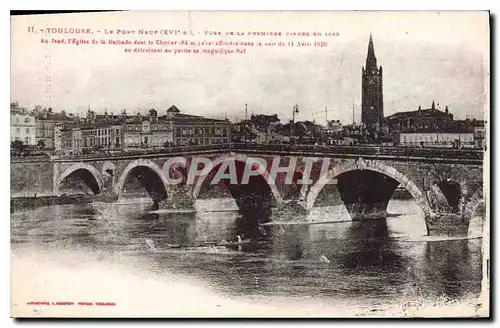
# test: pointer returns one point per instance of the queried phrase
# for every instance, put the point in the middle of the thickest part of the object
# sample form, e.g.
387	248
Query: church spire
371	60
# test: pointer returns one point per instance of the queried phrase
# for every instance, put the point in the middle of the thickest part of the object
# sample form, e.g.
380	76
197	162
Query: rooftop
429	112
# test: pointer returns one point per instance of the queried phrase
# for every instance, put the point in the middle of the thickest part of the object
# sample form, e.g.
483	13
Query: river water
367	264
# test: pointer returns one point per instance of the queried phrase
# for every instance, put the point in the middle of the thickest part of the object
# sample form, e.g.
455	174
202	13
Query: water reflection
364	260
448	264
368	248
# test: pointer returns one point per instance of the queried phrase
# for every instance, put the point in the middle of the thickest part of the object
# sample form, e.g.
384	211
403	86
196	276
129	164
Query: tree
41	144
17	145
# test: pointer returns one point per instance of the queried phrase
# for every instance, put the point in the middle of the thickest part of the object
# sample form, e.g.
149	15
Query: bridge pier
367	211
289	211
179	199
106	196
447	224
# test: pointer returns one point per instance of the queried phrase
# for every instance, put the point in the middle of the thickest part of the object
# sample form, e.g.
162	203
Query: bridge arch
449	186
476	200
240	158
88	173
374	166
150	176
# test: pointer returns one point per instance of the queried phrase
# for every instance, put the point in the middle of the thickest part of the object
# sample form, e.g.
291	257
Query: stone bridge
447	184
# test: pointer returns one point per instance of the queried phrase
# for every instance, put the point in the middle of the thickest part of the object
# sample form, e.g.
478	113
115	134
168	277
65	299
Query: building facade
437	139
198	130
102	137
372	103
70	141
73	135
46	121
422	120
148	131
22	125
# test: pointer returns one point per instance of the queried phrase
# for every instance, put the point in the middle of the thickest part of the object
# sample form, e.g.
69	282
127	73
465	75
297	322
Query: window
136	128
130	128
27	130
26	120
18	130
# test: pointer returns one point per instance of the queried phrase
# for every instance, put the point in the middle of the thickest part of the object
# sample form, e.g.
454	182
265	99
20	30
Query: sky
426	56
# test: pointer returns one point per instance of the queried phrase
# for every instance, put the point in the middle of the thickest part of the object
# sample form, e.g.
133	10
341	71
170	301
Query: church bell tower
372	103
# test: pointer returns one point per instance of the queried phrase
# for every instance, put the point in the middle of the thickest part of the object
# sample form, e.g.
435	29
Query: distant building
437	139
22	125
147	131
432	127
421	120
372	103
198	130
334	127
102	137
46	121
70	141
263	128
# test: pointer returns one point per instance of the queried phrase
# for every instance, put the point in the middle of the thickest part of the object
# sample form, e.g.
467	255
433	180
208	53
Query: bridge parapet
408	153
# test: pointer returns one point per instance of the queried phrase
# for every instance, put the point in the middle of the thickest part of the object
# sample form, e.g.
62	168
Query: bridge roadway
446	183
465	155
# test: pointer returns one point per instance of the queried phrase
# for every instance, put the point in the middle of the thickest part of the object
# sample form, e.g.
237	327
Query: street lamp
294	111
246	123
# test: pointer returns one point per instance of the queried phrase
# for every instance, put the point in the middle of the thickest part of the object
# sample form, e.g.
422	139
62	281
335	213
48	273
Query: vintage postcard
256	164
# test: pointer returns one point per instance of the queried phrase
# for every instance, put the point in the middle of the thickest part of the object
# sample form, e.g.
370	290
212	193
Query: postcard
250	164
